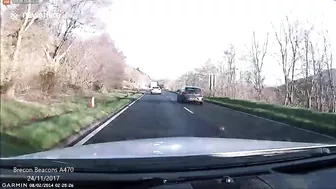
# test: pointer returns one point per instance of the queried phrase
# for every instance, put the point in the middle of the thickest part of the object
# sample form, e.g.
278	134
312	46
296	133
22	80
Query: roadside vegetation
51	66
306	96
304	55
32	127
324	123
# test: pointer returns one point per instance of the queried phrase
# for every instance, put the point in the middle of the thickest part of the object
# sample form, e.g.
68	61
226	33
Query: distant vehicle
156	90
153	84
190	94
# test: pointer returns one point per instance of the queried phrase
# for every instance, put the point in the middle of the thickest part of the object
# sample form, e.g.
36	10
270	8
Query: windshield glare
100	79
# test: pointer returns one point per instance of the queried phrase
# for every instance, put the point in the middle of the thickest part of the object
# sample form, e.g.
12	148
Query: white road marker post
91	102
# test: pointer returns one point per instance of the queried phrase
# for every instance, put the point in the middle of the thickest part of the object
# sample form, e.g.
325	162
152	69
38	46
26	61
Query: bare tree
331	95
295	39
300	46
283	41
79	63
319	59
221	79
23	20
332	84
229	57
289	40
23	15
75	16
307	67
257	54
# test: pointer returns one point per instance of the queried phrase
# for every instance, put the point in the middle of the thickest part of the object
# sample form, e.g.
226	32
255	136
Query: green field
33	127
304	118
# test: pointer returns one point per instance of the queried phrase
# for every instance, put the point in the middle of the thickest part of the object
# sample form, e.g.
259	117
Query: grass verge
28	128
304	118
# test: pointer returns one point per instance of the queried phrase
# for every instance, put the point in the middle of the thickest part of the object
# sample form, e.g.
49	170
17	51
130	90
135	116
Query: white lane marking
188	110
89	136
172	100
284	124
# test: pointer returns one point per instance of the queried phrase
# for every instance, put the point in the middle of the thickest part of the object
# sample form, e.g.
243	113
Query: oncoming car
190	94
156	90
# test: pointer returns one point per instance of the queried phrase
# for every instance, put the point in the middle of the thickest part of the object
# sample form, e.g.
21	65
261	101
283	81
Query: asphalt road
161	116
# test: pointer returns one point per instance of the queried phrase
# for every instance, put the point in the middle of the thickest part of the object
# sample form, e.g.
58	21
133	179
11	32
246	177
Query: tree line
67	50
303	54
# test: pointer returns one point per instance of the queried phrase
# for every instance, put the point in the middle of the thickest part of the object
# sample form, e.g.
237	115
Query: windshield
77	77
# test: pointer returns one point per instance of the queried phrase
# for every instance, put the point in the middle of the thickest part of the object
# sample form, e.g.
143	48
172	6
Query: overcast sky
166	38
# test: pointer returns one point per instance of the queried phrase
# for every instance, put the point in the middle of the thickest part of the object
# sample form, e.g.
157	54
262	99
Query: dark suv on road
190	94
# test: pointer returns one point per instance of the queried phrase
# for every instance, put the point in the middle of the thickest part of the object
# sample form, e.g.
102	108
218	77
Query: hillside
300	83
301	86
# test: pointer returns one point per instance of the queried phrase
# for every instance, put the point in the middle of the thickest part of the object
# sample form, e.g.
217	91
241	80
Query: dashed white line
89	136
188	110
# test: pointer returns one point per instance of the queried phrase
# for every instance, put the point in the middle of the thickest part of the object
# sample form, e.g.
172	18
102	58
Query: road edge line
74	139
95	131
281	123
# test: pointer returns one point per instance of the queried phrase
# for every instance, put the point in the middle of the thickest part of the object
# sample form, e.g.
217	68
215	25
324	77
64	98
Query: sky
166	38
